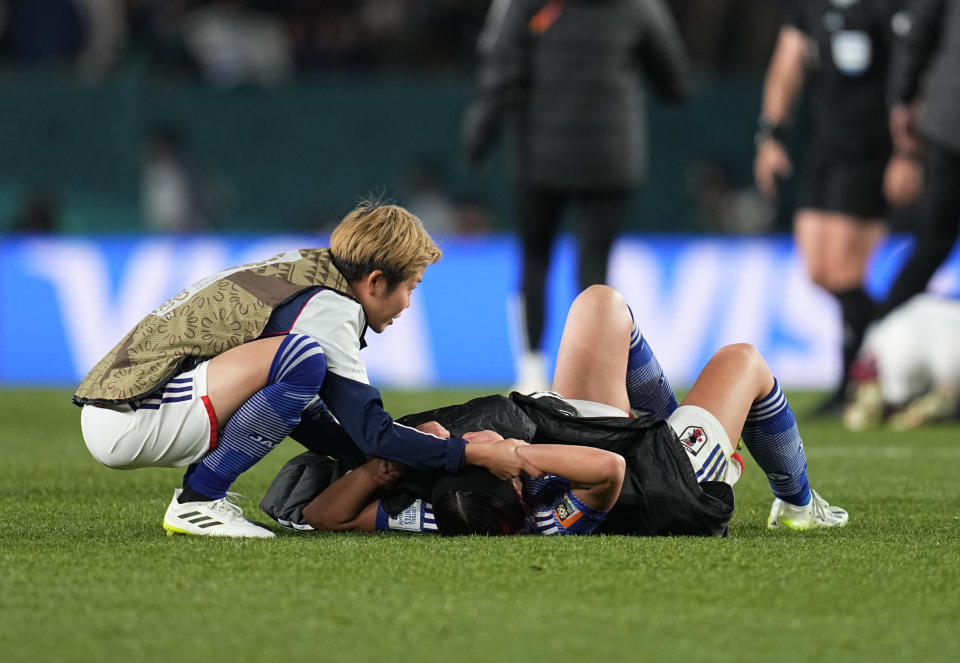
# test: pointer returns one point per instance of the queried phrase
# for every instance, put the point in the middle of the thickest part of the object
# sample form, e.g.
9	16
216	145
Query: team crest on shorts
693	438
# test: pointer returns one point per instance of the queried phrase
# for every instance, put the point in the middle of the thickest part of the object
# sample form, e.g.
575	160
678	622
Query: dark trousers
937	226
600	216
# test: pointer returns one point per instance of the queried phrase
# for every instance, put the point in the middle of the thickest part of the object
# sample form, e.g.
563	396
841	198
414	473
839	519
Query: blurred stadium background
145	143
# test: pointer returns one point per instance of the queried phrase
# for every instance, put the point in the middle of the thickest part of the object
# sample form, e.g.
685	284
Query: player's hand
385	472
482	436
771	162
433	428
501	458
902	180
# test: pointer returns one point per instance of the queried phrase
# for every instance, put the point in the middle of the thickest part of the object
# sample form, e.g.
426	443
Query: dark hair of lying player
475	501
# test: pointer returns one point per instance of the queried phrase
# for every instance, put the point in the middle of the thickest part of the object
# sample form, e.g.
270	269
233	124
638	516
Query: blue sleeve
557	510
382	518
359	409
574	517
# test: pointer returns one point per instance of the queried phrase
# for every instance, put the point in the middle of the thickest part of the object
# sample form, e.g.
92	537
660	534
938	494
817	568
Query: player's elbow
321	519
613	471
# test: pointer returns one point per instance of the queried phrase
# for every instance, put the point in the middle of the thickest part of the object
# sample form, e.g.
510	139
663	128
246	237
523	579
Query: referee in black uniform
844	46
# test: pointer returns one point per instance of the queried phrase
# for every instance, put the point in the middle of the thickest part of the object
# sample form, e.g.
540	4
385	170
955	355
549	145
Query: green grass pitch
87	573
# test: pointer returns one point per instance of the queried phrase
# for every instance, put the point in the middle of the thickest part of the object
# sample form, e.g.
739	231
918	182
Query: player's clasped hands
385	472
499	455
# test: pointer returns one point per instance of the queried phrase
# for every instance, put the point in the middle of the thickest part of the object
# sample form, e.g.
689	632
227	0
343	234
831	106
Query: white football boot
818	513
220	517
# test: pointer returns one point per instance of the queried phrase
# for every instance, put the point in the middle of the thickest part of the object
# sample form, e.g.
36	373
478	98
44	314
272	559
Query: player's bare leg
237	374
730	383
592	359
258	392
738	388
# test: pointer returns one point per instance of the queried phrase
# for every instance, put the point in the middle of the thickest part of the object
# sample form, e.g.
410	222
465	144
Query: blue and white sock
773	439
648	389
263	421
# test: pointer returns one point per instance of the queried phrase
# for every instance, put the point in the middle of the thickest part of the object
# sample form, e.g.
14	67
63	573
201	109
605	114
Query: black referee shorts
851	186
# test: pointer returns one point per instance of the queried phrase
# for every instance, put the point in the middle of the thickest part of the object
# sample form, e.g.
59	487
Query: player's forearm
582	466
342	501
595	475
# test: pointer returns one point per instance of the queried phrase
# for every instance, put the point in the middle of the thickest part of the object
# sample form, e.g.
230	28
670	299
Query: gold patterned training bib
219	312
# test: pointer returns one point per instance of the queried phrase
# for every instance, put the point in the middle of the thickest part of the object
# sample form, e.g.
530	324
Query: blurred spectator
42	31
88	34
106	22
472	217
567	73
38	213
846	45
234	45
722	205
428	200
174	195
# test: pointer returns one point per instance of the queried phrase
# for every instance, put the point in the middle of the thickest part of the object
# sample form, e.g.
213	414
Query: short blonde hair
384	237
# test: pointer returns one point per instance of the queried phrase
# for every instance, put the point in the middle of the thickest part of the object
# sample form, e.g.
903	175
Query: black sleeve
917	35
359	409
503	69
320	432
662	53
796	14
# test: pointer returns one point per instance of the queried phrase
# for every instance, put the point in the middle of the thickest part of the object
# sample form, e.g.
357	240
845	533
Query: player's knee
744	355
599	300
602	307
599	293
300	360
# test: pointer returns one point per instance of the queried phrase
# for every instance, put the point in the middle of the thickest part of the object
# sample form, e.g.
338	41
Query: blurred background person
725	206
844	45
925	119
89	35
168	196
568	75
38	212
175	195
428	200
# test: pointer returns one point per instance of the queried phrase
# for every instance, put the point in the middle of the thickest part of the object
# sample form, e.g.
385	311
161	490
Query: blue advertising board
65	301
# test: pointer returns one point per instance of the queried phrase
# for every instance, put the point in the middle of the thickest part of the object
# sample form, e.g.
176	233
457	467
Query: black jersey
853	41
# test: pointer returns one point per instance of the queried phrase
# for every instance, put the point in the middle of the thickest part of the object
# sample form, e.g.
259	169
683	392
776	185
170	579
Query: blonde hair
384	237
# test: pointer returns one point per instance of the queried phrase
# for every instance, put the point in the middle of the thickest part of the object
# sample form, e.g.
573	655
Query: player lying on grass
220	374
680	463
575	504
